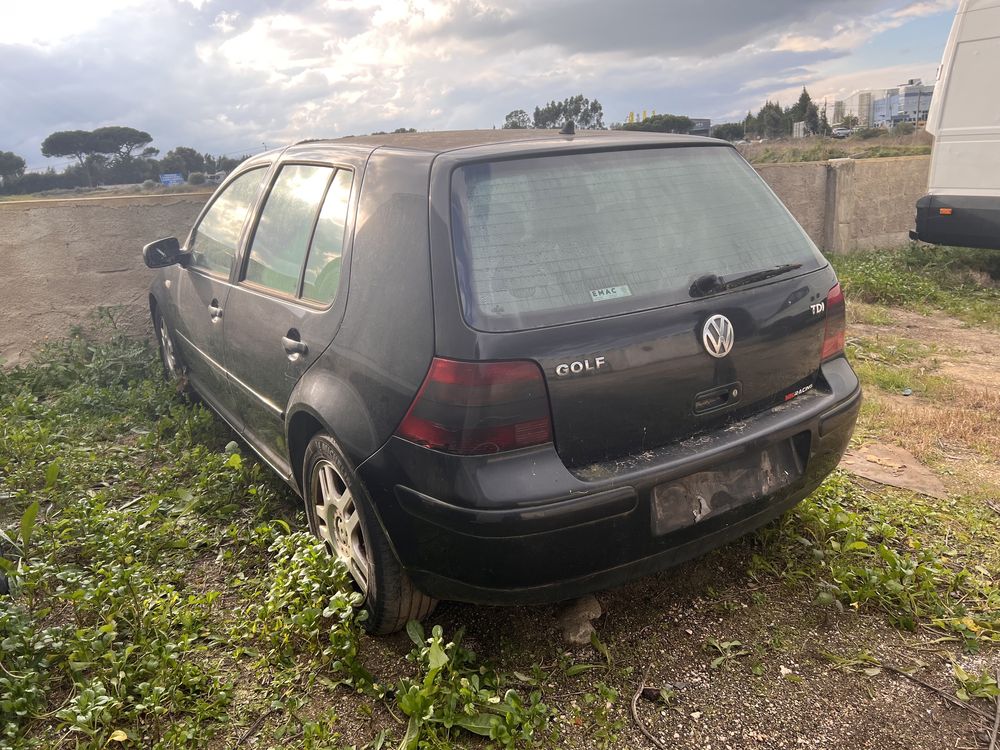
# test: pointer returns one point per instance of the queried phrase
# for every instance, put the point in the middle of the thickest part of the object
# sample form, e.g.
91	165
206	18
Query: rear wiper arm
767	273
710	283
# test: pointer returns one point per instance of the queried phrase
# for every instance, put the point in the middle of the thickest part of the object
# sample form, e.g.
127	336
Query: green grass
873	315
895	364
151	565
878	152
892	551
962	282
819	151
163	598
825	149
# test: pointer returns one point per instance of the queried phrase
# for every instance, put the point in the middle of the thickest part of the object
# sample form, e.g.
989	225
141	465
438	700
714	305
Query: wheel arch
302	426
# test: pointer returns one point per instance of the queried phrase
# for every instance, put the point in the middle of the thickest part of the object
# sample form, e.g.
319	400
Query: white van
962	205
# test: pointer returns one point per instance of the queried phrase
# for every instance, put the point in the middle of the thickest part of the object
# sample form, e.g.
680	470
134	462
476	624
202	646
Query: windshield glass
558	239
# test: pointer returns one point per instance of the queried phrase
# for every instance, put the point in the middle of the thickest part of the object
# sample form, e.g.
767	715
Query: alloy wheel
338	522
167	347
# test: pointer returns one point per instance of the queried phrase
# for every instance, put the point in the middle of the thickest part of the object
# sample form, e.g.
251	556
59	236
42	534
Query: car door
204	287
286	307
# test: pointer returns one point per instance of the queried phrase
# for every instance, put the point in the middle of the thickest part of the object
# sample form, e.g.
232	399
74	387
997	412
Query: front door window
214	241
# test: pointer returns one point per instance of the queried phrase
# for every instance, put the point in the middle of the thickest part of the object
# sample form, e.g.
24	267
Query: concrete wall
883	193
63	258
852	204
802	187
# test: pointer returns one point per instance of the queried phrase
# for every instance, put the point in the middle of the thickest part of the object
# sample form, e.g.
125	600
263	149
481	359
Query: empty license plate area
706	494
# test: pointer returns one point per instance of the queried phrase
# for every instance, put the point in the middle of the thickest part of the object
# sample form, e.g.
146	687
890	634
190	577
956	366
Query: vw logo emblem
717	336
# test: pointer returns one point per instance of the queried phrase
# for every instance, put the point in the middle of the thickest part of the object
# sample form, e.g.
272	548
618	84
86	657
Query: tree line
112	155
771	121
116	154
586	114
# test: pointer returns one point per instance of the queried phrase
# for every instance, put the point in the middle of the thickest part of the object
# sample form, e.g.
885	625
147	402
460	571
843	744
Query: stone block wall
802	187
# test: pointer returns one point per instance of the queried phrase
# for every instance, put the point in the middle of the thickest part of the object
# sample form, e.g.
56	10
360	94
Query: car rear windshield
557	239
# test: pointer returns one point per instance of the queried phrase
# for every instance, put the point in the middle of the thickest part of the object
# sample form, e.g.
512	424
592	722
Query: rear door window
557	239
285	229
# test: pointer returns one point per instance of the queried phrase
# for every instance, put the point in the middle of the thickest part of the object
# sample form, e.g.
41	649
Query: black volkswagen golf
512	366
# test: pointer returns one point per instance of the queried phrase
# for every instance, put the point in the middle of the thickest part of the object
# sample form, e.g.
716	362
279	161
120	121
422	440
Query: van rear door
962	205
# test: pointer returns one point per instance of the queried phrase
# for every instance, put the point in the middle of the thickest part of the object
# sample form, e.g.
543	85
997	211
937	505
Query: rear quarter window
557	239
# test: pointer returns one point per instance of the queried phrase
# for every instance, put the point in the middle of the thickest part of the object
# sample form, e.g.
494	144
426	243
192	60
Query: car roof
478	143
450	140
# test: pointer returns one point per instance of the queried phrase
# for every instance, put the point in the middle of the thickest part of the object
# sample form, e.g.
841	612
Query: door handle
215	311
294	347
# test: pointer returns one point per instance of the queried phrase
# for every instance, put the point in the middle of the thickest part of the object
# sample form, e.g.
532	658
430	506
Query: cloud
45	23
853	32
639	27
224	76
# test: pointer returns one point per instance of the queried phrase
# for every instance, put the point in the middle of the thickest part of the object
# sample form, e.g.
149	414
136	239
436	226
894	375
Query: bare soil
970	354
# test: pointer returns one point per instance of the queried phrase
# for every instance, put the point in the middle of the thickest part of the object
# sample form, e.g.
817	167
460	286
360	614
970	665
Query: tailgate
643	380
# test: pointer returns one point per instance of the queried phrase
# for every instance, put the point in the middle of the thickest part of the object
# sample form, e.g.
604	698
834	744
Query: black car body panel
656	455
360	397
654	365
538	531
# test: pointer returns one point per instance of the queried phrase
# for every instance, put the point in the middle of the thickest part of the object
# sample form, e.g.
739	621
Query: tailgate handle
717	398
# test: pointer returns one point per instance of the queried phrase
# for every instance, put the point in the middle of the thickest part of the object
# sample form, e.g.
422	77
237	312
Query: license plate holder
707	494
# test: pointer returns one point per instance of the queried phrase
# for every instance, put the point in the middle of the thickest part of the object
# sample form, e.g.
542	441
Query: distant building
700	126
859	104
909	102
838	112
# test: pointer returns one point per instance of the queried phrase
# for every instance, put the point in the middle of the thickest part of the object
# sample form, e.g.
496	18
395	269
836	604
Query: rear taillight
474	408
836	323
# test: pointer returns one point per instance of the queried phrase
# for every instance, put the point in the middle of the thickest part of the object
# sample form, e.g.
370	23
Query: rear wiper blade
709	283
767	273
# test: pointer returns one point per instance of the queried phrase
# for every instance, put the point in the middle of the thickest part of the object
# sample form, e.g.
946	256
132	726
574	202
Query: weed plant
963	282
150	566
160	597
863	550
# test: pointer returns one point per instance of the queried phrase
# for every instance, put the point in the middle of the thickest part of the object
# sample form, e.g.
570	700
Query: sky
230	77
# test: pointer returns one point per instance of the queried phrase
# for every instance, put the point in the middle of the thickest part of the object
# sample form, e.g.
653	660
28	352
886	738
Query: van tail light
476	408
836	323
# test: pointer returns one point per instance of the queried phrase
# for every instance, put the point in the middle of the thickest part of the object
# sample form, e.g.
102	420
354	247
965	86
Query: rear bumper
968	221
522	528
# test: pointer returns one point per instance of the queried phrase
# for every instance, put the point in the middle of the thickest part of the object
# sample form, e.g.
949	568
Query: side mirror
164	252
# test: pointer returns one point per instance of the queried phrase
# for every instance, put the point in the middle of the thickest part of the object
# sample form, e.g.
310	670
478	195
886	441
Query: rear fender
324	401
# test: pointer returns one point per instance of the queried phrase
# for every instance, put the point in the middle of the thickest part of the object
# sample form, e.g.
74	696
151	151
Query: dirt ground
968	354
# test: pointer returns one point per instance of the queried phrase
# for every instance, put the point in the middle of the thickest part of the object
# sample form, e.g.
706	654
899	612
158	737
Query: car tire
174	370
342	516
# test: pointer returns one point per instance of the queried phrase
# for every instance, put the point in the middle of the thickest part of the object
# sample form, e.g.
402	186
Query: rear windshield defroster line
558	239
